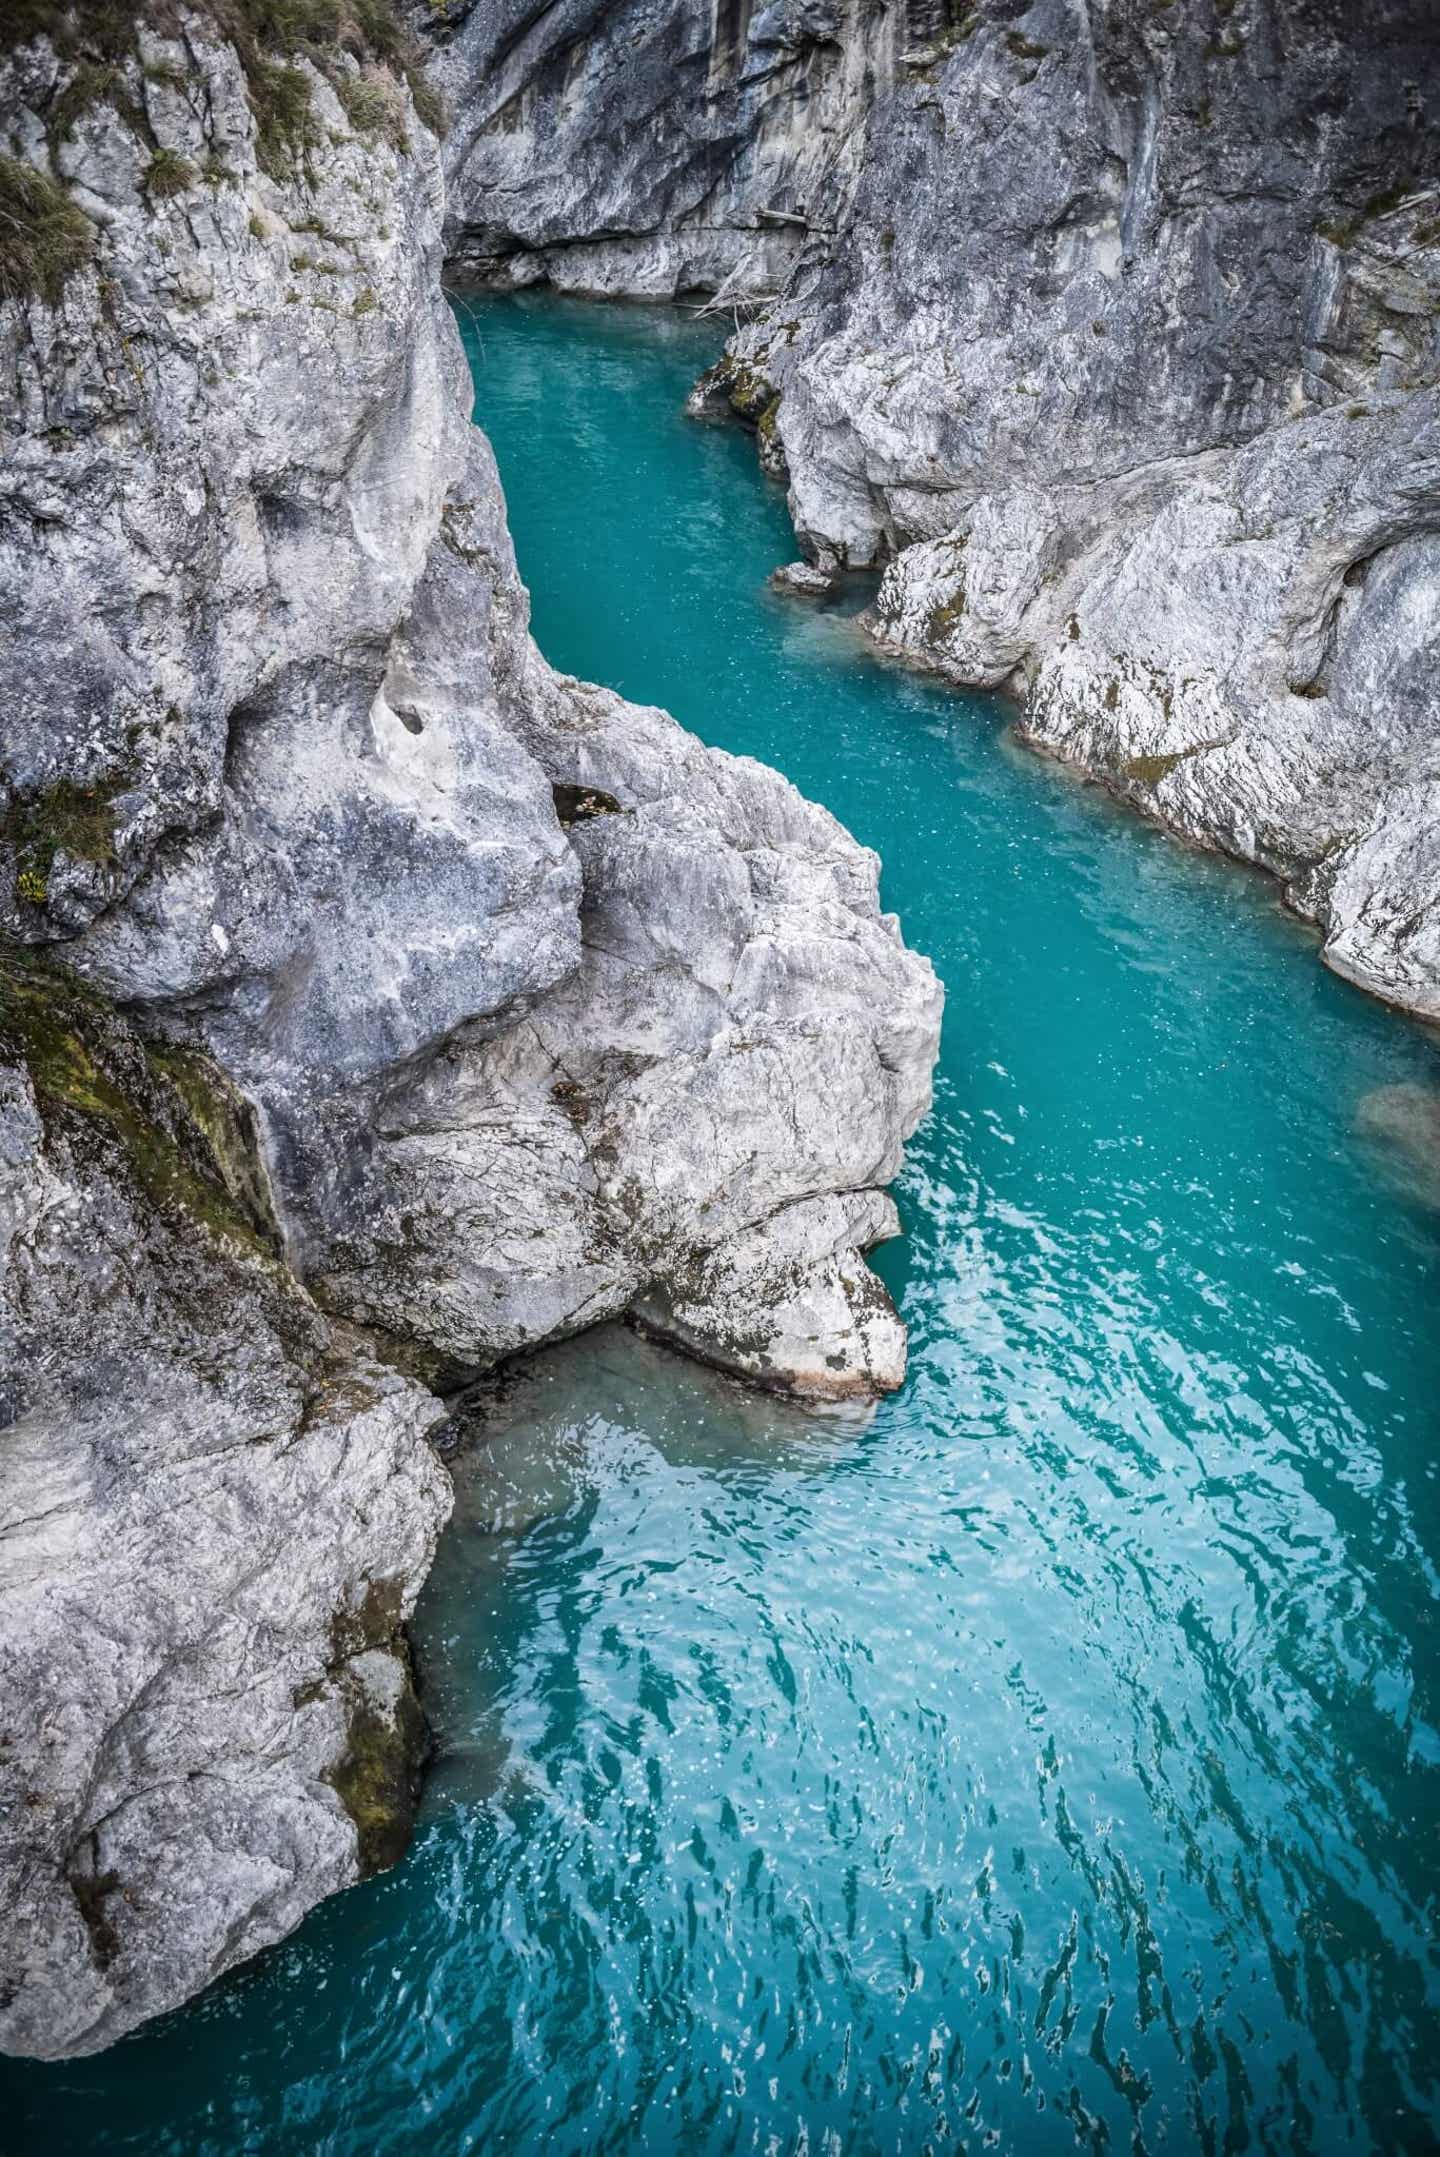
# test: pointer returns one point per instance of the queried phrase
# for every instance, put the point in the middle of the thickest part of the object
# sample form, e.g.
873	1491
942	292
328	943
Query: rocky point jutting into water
345	945
1109	328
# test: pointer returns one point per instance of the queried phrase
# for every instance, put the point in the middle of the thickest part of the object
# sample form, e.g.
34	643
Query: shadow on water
1051	1760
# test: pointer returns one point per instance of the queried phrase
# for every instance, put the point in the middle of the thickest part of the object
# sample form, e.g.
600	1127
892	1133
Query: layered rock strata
659	146
350	945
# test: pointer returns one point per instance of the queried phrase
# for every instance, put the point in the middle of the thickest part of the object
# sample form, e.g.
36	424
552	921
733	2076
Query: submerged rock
802	580
481	1002
1402	1123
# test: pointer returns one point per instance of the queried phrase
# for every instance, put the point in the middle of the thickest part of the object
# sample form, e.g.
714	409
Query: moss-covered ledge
163	1115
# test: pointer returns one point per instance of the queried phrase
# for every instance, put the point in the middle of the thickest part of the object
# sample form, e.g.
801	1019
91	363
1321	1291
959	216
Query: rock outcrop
1125	364
348	946
216	1511
1109	329
658	146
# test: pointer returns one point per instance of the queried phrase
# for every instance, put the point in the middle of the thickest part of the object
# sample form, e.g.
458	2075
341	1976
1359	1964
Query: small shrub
92	82
373	105
168	174
44	238
63	819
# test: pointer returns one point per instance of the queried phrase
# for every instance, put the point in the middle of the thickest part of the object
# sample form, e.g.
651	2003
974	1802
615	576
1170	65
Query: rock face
481	1002
215	1514
657	146
1125	362
1110	330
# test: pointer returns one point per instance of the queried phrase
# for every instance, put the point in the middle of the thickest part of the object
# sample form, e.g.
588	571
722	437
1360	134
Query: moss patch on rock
377	1778
63	818
166	1117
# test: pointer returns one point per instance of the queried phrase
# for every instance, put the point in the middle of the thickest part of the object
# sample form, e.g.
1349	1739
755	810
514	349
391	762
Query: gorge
421	1005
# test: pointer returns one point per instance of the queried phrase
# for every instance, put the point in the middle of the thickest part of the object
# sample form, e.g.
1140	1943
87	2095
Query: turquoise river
1051	1760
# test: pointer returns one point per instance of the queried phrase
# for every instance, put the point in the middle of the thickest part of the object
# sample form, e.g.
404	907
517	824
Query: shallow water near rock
1049	1758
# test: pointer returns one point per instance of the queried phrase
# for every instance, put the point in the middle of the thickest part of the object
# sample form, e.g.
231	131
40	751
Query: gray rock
655	147
802	580
516	1004
792	1305
1125	361
1111	330
215	1514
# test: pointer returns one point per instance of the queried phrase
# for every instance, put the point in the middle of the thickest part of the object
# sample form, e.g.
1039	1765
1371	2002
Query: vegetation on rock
44	238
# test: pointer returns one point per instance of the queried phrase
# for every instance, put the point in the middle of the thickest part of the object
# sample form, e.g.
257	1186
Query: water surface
1052	1759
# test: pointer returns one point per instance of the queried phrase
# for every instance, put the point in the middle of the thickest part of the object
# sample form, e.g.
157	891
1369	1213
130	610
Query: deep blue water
1051	1759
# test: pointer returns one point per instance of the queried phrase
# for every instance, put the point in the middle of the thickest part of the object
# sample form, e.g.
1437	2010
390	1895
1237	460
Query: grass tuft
44	238
168	174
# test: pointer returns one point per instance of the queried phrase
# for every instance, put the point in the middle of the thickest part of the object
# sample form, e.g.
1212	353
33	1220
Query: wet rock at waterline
216	1510
793	1306
501	1000
801	580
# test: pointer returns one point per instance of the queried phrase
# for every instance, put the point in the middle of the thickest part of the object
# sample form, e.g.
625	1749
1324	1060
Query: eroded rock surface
1109	329
1125	362
216	1511
658	146
520	1004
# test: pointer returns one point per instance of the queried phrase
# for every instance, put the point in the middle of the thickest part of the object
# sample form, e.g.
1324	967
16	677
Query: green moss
168	174
166	1116
1150	770
945	615
429	104
378	1779
1024	48
44	238
63	818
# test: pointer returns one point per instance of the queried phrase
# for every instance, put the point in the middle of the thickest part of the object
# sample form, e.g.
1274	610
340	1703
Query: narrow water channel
1052	1760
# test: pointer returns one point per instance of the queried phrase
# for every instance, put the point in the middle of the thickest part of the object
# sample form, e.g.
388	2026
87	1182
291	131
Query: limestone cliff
1125	361
1108	325
346	944
655	146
